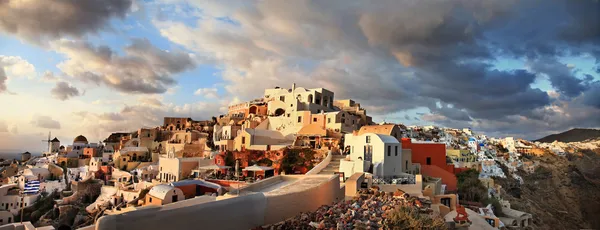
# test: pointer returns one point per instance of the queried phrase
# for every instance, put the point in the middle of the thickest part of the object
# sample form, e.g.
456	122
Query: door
174	198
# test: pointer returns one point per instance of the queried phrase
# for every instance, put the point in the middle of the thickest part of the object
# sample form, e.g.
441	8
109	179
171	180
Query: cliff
562	193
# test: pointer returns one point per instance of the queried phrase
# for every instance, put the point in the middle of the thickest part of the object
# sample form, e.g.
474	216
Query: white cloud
13	66
17	67
210	93
45	122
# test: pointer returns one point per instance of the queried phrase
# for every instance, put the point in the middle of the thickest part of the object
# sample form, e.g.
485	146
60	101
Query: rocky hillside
562	193
573	135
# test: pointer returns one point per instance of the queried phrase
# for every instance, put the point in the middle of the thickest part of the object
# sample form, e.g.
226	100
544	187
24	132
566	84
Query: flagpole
22	206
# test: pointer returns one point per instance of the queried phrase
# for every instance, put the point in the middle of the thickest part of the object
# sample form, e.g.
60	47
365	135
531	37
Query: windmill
49	141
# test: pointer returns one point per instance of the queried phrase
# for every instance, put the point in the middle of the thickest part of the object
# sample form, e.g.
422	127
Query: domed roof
80	138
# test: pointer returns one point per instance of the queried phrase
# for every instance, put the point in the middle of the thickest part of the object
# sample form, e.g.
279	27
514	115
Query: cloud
210	93
49	76
399	55
64	91
38	21
560	75
3	79
144	69
592	96
150	101
145	114
13	66
3	127
45	122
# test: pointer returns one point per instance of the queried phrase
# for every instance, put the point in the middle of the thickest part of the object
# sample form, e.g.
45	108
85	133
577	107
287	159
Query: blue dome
472	139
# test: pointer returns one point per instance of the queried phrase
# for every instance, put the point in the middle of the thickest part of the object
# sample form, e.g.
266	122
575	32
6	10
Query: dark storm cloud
561	76
143	69
64	91
592	96
397	55
37	21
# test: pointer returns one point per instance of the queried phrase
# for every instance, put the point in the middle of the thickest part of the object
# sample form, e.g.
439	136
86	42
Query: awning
255	168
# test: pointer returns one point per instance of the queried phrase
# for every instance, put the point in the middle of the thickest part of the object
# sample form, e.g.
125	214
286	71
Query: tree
470	187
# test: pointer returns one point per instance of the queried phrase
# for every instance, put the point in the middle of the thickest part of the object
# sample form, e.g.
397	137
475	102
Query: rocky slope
573	135
562	193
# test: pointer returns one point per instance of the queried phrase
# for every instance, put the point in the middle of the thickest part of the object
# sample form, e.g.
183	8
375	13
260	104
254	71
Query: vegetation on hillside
559	193
471	189
405	217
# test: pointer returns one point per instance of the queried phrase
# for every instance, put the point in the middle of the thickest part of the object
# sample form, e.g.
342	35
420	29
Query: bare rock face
67	215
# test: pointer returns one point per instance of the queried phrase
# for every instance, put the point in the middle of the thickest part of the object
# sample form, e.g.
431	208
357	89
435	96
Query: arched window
310	98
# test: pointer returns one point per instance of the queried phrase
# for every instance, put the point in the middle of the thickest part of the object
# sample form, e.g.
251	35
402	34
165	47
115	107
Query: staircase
334	165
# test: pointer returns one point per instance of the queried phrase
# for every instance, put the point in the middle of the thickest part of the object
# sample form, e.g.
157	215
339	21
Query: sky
503	68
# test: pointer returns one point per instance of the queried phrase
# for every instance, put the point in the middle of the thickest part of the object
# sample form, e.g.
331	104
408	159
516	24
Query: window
299	119
243	140
291	105
368	139
315	119
343	115
406	165
328	120
389	150
428	160
396	150
9	219
150	199
343	120
219	161
353	121
282	98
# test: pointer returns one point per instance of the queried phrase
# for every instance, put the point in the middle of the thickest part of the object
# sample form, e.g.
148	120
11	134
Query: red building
432	157
426	153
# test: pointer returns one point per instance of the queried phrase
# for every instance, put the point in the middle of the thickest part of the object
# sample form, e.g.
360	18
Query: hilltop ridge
573	135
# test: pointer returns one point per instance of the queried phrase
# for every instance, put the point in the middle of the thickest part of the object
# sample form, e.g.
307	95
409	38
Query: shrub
410	218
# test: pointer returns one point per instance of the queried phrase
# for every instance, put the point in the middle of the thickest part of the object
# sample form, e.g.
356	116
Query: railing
322	165
399	180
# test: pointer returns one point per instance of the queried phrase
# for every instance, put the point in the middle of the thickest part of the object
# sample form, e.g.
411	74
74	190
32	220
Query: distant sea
12	154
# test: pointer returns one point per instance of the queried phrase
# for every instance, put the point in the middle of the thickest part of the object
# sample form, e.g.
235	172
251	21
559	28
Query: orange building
448	178
432	157
90	152
426	153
